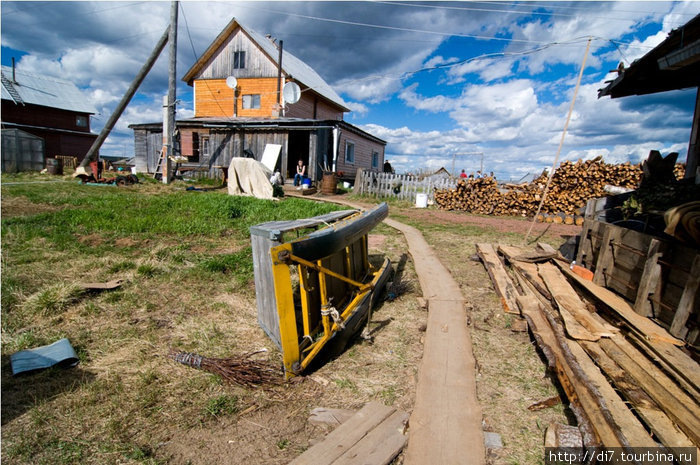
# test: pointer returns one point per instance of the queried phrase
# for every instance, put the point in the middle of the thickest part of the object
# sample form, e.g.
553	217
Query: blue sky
436	80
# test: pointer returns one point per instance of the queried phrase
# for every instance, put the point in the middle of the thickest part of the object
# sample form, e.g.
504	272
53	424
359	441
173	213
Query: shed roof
291	65
673	64
44	90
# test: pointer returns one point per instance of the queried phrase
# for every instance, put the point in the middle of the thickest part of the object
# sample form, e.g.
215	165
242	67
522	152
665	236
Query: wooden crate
658	276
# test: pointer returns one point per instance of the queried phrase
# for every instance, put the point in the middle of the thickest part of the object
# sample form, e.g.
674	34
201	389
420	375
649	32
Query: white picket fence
400	186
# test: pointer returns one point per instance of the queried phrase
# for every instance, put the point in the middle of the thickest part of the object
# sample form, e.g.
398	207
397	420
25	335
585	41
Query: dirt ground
127	392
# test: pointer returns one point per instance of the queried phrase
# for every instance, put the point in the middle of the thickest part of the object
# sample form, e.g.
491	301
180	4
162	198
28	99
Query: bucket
54	166
329	183
421	200
346	185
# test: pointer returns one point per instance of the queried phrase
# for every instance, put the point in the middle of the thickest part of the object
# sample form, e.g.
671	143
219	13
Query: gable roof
291	65
43	90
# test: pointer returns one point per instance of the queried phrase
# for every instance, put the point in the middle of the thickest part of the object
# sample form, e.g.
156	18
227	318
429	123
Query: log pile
572	185
627	380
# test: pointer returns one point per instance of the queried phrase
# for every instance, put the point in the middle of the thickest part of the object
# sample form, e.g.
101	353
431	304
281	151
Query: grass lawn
186	262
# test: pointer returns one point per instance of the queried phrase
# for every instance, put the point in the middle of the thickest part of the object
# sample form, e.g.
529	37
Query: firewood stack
573	184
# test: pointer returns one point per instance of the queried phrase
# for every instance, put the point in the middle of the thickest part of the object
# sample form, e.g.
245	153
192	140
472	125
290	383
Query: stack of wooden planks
628	381
572	185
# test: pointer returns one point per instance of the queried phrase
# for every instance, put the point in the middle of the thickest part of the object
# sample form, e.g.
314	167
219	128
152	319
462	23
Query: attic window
81	121
238	60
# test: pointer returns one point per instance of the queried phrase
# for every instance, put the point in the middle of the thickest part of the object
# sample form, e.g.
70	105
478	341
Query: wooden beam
525	269
687	303
501	281
381	444
650	278
606	258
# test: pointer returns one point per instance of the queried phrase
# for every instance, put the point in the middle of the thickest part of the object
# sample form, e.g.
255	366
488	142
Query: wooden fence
400	186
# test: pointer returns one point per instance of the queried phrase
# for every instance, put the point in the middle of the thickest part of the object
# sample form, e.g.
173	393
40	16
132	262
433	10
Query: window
81	121
375	160
251	101
204	147
349	152
238	60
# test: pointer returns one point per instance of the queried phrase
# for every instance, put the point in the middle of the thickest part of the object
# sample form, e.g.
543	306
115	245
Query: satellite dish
232	82
291	92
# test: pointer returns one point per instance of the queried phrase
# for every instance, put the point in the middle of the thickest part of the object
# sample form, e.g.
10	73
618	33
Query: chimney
14	81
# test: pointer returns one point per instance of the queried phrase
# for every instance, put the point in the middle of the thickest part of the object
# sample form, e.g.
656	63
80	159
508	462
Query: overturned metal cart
315	283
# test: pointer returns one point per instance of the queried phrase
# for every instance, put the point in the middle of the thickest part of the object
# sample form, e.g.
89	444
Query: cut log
501	281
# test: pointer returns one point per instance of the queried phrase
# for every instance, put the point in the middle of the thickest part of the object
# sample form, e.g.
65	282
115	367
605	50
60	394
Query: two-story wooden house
50	108
235	121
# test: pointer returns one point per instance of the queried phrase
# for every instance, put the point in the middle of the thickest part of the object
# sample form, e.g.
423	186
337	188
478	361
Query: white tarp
247	176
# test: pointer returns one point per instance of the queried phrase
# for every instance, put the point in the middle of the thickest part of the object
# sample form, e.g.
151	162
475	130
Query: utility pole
169	122
126	98
279	80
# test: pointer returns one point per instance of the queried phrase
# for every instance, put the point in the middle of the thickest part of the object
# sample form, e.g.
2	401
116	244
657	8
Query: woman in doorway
301	172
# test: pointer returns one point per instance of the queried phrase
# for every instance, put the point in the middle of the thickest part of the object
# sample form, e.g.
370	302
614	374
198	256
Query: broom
241	370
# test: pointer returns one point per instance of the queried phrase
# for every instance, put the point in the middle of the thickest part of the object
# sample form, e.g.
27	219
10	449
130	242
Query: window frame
375	159
239	59
85	120
253	102
349	160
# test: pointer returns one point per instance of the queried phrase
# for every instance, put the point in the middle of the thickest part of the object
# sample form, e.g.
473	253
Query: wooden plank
591	416
674	361
680	407
622	309
605	257
687	303
345	436
501	281
649	279
444	426
577	319
381	445
630	432
646	408
525	269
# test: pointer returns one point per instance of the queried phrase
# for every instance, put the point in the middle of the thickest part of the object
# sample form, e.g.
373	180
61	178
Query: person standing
462	174
301	172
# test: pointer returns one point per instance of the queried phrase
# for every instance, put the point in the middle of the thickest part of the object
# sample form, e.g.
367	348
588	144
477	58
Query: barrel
54	166
329	183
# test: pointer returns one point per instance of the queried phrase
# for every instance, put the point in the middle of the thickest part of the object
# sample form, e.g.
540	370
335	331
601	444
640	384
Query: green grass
178	254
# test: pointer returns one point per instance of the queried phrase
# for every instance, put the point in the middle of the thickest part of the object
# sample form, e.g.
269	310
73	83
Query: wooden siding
213	98
140	150
36	115
311	106
257	63
363	154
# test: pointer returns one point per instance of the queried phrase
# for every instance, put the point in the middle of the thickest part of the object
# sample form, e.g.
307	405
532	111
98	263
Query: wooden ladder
161	157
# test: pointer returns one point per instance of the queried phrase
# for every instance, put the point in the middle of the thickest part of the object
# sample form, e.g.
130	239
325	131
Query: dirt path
446	418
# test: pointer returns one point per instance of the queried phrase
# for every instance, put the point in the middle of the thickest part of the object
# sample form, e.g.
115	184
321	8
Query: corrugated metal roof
46	91
291	65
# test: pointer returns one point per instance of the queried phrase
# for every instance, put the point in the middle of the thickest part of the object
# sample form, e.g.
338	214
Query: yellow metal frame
298	352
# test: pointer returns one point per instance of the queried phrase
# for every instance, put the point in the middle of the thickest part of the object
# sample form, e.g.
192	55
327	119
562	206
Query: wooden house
241	120
49	108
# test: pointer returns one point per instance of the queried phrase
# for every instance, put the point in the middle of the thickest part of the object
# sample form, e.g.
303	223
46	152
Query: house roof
673	64
291	65
43	90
